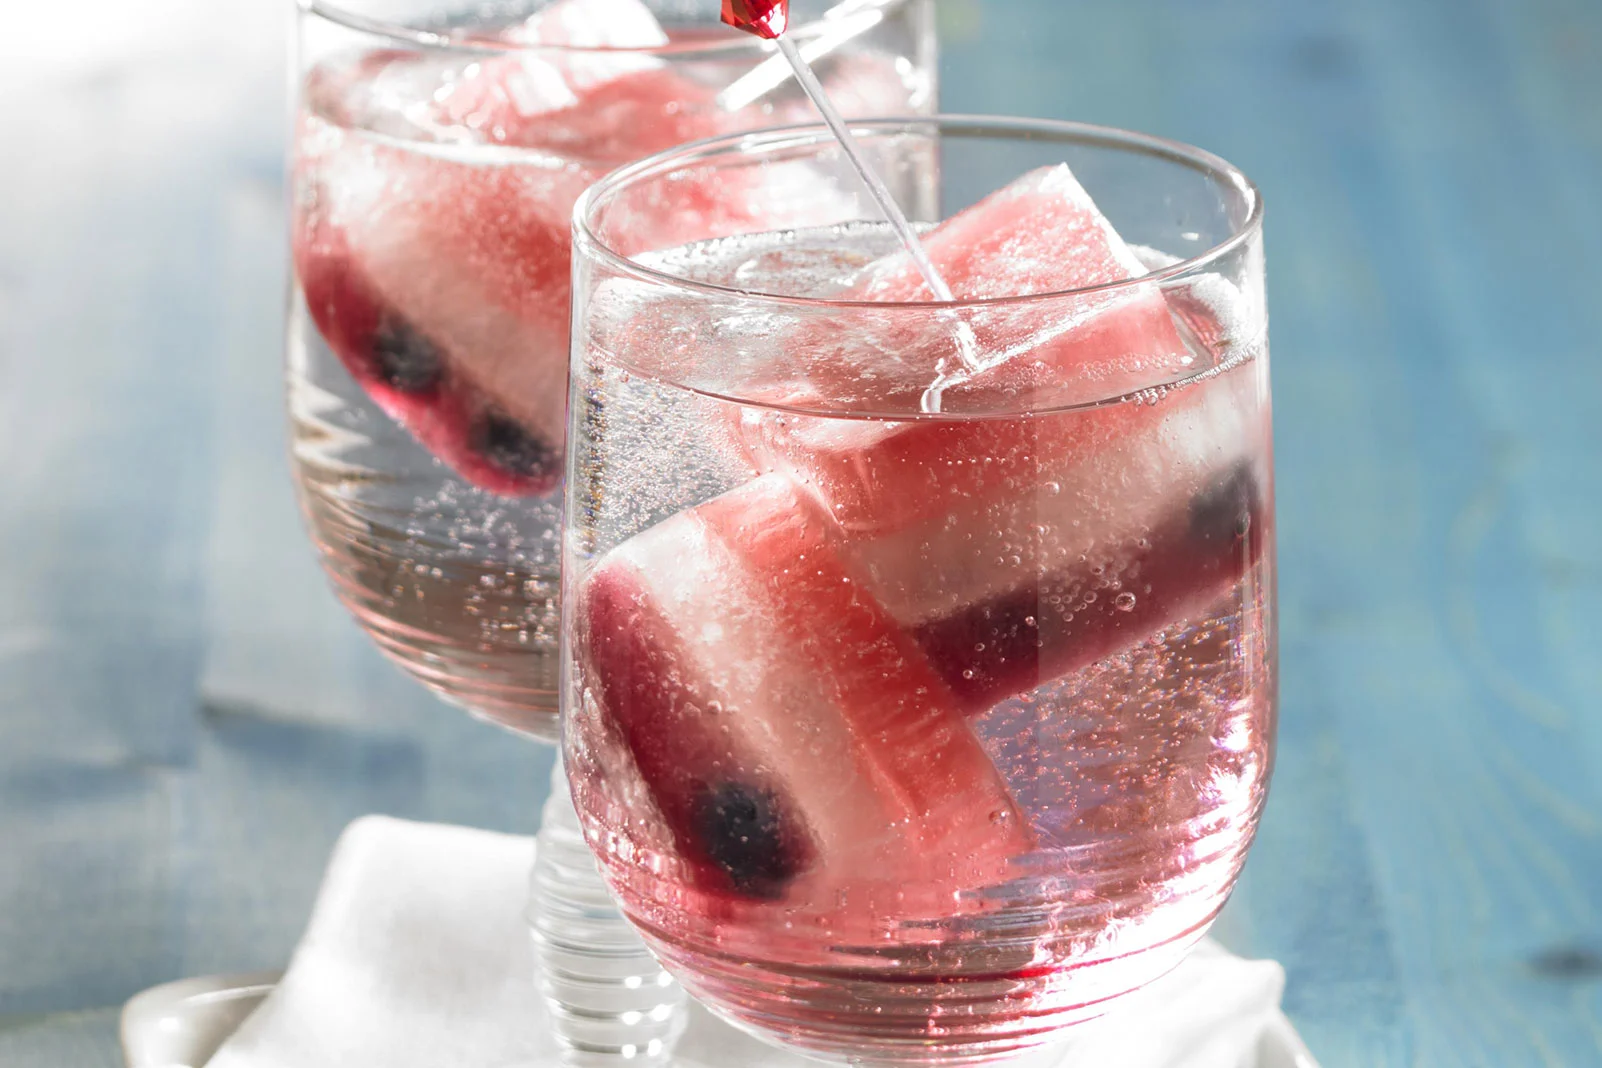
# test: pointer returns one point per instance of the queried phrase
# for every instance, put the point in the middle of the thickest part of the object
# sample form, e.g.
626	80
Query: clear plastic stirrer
769	19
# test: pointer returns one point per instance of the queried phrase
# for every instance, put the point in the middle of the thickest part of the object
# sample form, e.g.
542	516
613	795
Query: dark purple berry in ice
508	445
1222	513
742	832
404	359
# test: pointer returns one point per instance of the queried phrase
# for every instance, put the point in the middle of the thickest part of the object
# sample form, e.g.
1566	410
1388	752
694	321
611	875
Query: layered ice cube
1020	547
787	729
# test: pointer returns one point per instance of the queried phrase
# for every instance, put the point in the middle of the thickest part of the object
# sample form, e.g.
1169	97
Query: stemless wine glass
438	150
913	725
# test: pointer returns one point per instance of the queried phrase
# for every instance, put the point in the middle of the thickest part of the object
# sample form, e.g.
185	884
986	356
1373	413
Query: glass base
607	997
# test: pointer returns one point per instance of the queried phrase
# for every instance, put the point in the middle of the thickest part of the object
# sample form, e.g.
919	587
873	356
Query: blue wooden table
187	720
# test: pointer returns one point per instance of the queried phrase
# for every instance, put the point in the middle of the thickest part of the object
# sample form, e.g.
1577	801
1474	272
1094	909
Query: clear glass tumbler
920	657
438	149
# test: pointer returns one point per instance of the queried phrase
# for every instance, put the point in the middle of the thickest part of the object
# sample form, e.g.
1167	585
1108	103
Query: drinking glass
438	149
914	725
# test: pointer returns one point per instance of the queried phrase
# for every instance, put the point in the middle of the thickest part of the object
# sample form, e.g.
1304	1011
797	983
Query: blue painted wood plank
67	1040
1488	204
85	884
107	473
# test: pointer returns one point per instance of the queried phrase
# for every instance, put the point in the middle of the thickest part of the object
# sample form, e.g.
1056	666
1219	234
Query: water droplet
1124	602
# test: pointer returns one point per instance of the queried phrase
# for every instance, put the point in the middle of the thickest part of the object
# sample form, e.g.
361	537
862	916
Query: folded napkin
417	954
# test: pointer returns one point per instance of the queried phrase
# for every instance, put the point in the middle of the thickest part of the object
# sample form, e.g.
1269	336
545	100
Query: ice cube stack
793	666
435	256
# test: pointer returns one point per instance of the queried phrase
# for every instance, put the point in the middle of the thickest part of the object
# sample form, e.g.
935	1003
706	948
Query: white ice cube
604	25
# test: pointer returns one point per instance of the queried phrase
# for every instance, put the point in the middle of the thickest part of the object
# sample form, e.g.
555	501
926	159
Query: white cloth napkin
417	954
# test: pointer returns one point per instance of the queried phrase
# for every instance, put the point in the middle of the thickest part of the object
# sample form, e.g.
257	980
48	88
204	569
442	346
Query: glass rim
800	134
339	13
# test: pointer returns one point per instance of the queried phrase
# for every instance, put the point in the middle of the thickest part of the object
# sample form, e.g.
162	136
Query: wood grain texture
187	719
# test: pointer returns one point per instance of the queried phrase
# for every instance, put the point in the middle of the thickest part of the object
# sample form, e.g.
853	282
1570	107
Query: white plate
1282	1047
181	1024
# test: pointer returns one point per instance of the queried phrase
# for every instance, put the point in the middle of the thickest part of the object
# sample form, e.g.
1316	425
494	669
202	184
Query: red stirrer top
765	18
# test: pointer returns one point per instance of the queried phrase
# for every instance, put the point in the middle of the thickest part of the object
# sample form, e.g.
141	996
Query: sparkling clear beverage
916	737
434	172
